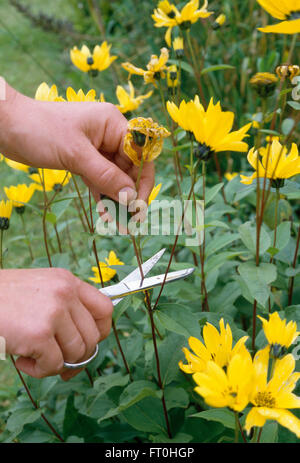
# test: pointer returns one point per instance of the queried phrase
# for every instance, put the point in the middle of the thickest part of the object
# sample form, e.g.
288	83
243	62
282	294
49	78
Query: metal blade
126	288
133	276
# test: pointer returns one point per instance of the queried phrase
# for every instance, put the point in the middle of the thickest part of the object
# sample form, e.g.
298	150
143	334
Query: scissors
134	283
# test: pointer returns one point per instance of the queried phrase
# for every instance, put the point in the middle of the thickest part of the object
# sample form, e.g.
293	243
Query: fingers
147	181
105	176
46	360
99	306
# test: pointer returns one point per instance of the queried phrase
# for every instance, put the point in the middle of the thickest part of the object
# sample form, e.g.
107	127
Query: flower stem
291	285
26	236
194	66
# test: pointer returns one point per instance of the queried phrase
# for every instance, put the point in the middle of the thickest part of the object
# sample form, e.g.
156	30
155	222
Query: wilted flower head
287	11
146	134
288	71
155	68
94	62
264	83
107	272
276	163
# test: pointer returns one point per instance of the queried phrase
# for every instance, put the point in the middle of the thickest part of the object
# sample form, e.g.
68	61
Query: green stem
291	286
26	236
194	66
292	48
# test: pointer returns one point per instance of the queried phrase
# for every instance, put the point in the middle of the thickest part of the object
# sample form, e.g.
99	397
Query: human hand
61	318
83	138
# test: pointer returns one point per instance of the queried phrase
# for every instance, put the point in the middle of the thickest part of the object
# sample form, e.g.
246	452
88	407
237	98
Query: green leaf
20	417
50	217
294	105
269	433
287	125
257	279
220	242
185	66
217	67
283	234
77	424
177	318
210	193
147	416
221	415
170	352
105	383
176	397
248	236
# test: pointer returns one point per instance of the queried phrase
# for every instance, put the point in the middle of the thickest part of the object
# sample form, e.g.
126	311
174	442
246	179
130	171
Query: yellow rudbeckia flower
272	398
80	96
155	68
18	165
1	157
217	348
146	134
279	334
127	100
226	389
211	127
106	272
5	213
46	93
287	11
94	62
230	176
280	165
169	16
51	179
20	195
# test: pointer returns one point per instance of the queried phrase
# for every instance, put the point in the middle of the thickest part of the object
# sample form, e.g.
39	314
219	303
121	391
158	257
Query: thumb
106	177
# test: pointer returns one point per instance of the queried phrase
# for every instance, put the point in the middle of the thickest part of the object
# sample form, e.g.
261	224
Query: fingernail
126	195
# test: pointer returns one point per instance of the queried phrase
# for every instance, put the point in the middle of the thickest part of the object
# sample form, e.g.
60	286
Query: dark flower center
277	350
93	72
157	75
277	183
185	25
294	15
4	223
57	187
33	170
90	60
173	75
171	15
20	210
203	152
139	138
264	399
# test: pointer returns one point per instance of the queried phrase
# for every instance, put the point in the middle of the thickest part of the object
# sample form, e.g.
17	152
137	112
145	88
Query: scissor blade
126	288
146	266
133	276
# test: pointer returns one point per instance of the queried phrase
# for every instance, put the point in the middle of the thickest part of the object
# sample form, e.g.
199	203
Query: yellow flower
146	134
106	272
51	179
273	398
80	96
185	113
45	93
217	348
211	128
17	165
229	176
172	76
127	101
5	213
281	164
264	83
279	334
155	68
154	193
287	11
226	389
1	157
20	194
178	47
86	61
170	16
220	20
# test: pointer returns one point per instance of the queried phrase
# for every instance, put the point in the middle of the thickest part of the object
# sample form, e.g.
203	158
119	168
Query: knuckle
107	176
